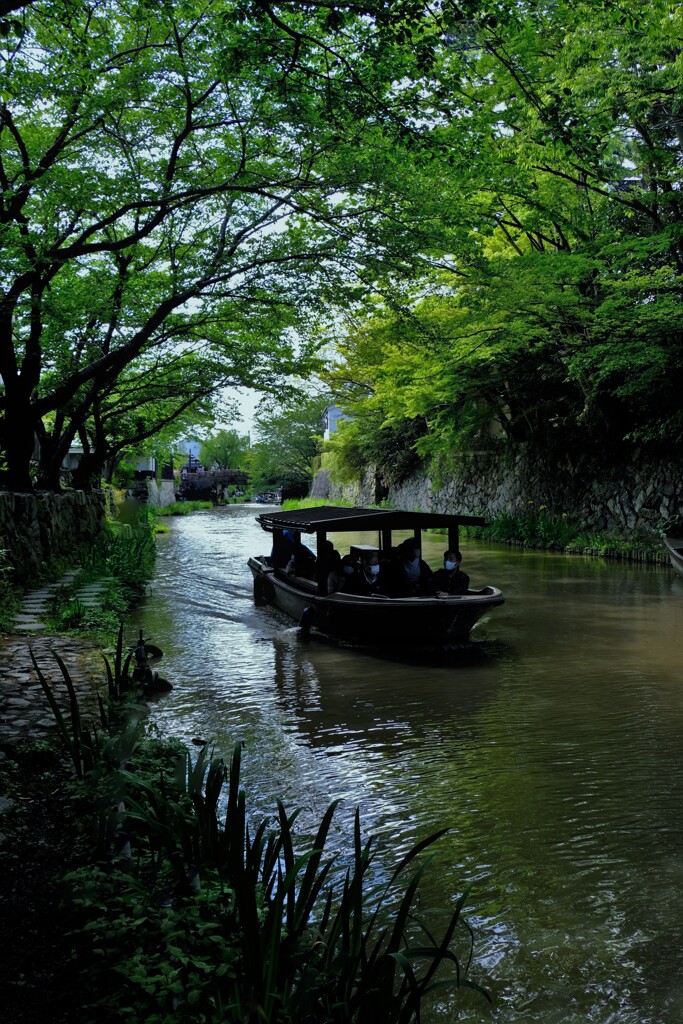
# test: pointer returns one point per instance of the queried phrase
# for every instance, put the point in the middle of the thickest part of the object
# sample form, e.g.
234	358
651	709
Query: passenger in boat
328	559
285	549
340	577
284	557
302	563
451	579
406	574
365	581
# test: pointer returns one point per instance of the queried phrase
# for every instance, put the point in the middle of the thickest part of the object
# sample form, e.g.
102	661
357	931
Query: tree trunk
18	441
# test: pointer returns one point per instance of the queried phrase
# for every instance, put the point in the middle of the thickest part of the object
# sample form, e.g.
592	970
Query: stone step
28	619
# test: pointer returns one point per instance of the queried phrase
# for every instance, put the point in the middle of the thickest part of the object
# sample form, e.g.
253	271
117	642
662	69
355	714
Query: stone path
30	617
24	711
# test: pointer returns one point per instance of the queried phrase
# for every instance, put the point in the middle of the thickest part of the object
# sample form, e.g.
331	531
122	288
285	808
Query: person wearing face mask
451	579
342	576
365	582
407	575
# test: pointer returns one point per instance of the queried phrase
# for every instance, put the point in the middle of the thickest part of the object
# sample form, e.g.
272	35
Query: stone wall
36	528
160	495
638	496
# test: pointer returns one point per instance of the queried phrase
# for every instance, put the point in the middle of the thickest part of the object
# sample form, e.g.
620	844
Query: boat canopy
333	519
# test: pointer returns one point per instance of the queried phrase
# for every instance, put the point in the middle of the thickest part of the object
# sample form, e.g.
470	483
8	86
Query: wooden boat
674	546
374	620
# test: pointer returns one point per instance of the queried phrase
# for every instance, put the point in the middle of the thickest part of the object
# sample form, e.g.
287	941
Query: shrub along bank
177	906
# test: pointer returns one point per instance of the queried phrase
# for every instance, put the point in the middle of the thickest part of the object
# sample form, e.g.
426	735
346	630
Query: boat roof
334	519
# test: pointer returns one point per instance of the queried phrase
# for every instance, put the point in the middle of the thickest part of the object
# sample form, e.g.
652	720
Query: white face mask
451	565
374	569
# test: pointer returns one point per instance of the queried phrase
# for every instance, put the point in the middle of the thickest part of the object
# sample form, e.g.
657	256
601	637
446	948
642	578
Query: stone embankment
642	495
37	529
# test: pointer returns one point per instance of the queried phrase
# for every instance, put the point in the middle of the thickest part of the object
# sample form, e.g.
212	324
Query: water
555	760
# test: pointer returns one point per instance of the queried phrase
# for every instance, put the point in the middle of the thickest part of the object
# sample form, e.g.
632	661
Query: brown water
556	758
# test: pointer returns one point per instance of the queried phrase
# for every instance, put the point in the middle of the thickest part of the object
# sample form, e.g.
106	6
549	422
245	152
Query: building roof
332	519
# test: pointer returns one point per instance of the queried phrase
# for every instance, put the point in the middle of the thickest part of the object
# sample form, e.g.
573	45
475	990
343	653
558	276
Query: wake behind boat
413	621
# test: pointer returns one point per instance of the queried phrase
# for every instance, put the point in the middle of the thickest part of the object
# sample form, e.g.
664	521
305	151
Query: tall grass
183	508
294	503
211	916
536	526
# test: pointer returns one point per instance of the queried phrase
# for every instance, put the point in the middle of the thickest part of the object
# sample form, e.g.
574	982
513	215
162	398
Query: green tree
200	177
143	411
227	449
557	311
287	440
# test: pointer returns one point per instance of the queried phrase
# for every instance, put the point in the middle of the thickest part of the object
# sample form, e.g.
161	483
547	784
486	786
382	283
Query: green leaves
181	177
288	437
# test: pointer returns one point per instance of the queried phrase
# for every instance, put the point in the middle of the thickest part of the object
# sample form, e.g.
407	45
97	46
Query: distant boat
374	620
674	547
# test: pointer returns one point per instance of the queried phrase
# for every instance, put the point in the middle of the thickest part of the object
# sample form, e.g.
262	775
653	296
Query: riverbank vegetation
173	903
538	527
182	508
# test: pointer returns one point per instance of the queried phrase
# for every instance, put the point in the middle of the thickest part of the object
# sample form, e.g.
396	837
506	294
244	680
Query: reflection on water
554	757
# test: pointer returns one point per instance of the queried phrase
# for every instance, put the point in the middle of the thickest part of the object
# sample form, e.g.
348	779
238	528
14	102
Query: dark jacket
395	583
451	581
359	584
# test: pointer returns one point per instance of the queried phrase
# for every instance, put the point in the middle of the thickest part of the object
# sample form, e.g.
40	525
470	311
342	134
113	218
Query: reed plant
118	726
191	911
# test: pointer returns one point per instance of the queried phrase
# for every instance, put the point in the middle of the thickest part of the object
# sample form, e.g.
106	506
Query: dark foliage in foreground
184	909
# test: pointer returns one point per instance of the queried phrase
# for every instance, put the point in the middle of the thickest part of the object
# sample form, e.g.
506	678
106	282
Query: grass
540	528
293	503
183	508
123	561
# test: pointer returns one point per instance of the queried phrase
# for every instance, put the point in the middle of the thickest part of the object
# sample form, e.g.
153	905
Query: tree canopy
227	449
556	312
194	178
288	438
488	193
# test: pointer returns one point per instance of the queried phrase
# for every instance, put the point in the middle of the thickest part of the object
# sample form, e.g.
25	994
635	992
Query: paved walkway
24	710
30	617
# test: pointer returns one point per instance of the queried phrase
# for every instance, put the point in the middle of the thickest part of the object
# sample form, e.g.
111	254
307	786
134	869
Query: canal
555	759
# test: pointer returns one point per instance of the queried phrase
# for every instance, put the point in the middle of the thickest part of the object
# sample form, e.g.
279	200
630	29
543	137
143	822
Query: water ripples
554	760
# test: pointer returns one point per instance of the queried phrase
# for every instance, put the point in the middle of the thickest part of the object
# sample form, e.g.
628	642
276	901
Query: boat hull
674	547
397	622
